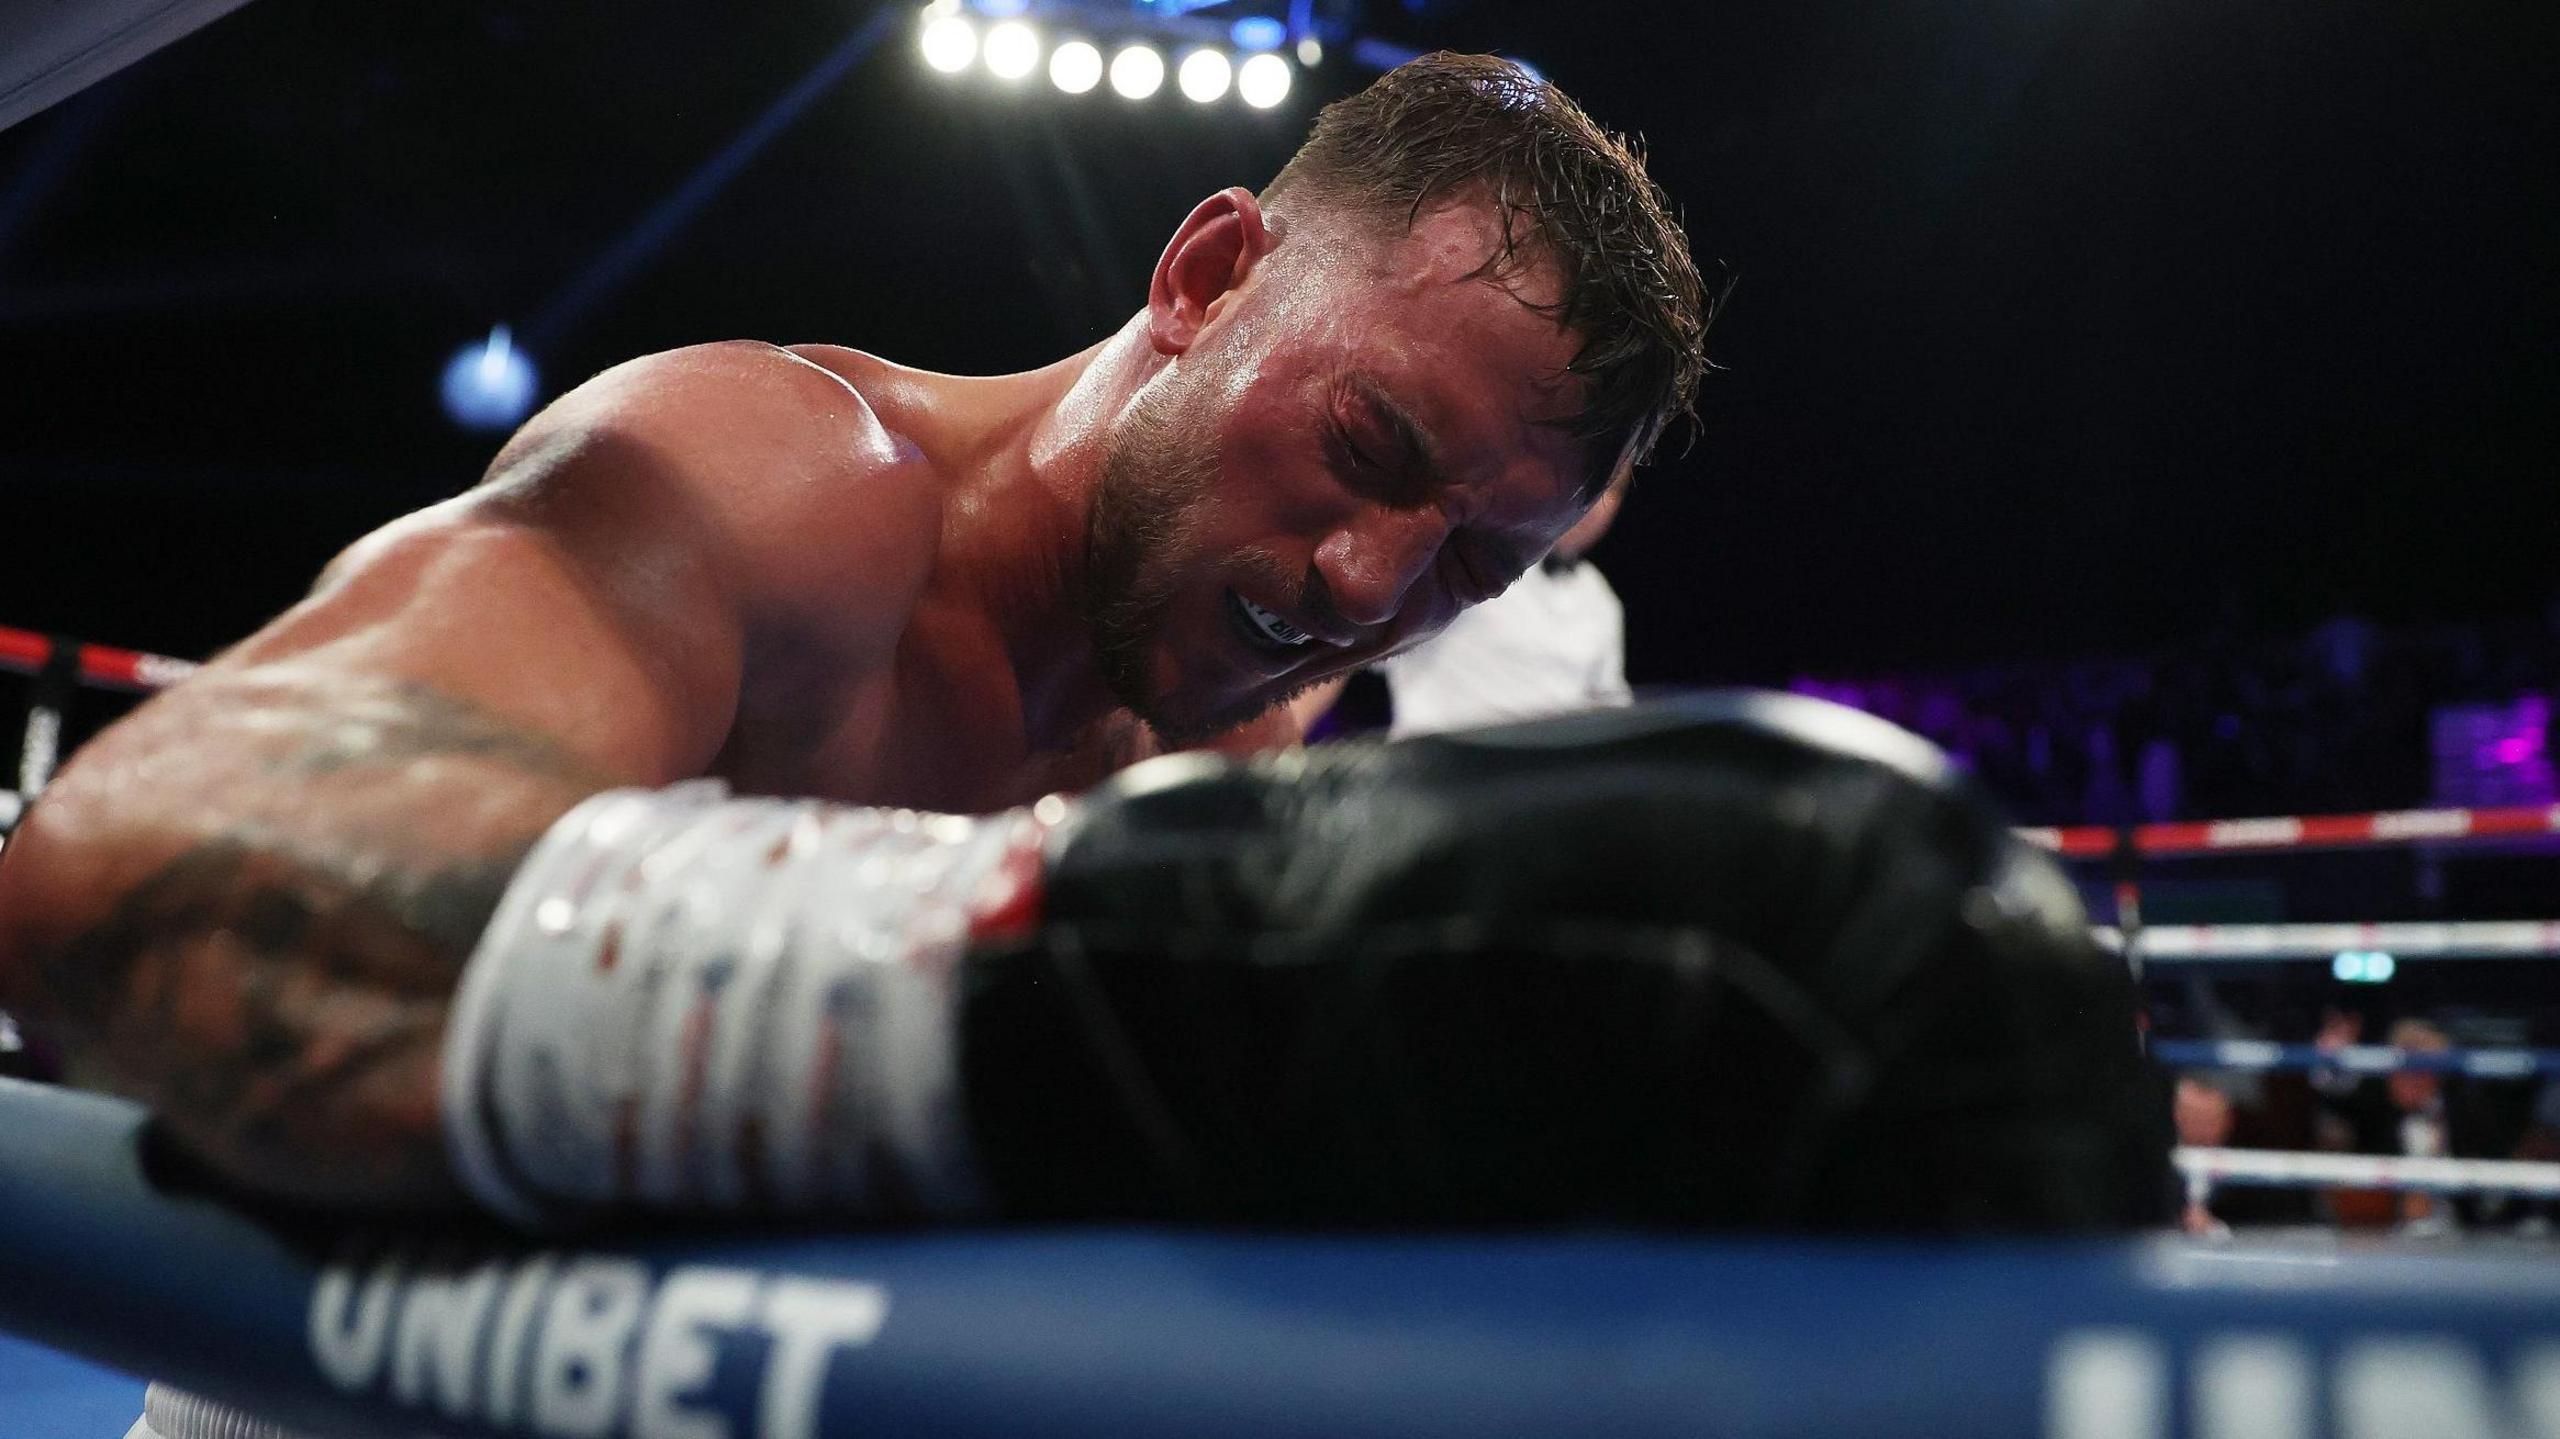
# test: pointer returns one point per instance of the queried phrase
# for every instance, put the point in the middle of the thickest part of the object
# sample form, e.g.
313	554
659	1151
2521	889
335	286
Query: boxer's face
1350	453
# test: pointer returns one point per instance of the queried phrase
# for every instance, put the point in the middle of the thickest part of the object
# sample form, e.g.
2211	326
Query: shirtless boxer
416	896
1353	405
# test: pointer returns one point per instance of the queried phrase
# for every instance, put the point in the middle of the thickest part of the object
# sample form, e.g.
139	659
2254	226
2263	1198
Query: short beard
1139	527
1199	732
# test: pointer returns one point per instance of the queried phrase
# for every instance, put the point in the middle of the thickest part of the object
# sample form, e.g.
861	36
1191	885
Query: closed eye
1339	438
1485	575
1371	475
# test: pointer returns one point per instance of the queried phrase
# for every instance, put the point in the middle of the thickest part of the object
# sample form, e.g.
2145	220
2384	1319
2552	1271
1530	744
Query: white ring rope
2287	1169
2464	939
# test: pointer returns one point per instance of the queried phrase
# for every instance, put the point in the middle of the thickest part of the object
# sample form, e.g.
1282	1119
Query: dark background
2062	327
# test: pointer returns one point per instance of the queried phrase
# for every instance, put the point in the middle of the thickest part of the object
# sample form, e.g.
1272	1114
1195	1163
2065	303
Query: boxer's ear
1207	260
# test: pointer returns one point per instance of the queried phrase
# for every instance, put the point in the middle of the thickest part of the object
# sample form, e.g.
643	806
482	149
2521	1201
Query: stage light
1075	67
1258	32
1263	81
1137	72
1012	50
489	385
949	43
1204	75
1310	51
2363	966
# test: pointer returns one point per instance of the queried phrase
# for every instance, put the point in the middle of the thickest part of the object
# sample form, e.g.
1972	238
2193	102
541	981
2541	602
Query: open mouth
1267	630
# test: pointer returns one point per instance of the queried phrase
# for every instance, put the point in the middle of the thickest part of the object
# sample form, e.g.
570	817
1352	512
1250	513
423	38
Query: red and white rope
2289	1169
26	652
2294	832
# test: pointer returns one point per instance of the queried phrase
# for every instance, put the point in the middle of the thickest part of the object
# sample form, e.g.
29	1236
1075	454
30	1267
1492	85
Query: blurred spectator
2203	1115
2417	1113
2542	1133
2163	795
2541	1141
2215	1112
2344	642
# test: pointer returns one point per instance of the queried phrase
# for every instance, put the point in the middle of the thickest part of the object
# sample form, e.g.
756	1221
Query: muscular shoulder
776	468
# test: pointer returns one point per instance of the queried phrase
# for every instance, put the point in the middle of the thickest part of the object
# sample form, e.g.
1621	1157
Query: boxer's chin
1181	723
1186	696
1191	689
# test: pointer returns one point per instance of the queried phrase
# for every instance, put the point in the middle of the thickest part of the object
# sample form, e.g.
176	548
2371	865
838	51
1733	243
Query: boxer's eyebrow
1418	442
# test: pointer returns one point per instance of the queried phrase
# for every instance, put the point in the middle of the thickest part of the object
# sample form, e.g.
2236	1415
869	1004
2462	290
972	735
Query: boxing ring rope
2208	1168
2261	1056
59	665
2188	838
132	671
2297	1169
2459	939
1137	1333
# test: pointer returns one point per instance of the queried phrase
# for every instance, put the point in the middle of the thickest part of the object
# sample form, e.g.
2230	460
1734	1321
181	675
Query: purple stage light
2494	754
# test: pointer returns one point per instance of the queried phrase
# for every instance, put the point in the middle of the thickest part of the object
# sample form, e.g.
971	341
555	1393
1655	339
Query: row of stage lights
491	385
1011	50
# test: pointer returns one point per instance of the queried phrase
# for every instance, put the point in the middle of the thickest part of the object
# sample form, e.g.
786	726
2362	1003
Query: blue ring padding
53	1396
1134	1333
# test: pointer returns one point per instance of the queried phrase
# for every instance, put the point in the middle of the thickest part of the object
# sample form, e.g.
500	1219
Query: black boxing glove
1737	959
1729	960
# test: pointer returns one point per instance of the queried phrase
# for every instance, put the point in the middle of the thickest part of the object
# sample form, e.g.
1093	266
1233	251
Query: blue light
2363	966
2378	967
489	385
1258	32
2348	967
1002	9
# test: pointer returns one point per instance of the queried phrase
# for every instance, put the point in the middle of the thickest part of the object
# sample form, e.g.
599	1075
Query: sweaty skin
805	571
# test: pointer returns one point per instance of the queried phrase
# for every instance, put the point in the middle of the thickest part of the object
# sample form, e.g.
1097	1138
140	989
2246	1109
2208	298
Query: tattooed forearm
283	1010
275	977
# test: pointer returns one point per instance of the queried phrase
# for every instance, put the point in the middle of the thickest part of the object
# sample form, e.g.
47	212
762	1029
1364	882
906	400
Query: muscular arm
281	872
247	904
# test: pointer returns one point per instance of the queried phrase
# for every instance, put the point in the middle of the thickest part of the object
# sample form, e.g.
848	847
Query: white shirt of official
1554	642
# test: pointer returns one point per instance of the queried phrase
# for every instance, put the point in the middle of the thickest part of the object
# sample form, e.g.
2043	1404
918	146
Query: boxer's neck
1014	528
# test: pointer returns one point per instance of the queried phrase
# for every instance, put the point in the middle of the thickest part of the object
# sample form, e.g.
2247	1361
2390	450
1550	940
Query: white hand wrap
691	1001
